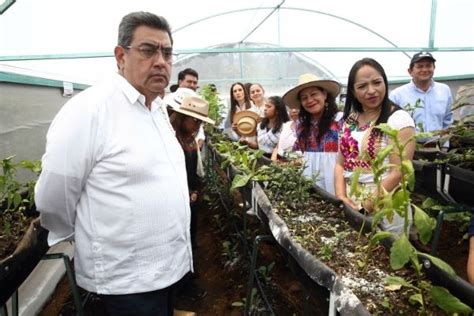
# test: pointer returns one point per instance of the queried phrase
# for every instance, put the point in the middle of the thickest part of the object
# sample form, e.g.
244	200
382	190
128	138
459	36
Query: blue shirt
434	109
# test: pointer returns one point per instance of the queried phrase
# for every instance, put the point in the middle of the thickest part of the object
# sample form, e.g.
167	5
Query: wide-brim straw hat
246	122
195	107
175	99
309	80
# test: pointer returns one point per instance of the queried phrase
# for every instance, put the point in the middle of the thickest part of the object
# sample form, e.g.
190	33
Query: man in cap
429	101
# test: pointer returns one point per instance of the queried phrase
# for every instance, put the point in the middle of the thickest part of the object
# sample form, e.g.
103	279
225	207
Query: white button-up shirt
114	181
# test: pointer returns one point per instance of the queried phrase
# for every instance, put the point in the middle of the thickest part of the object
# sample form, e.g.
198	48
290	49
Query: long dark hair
233	101
329	112
177	121
282	115
353	105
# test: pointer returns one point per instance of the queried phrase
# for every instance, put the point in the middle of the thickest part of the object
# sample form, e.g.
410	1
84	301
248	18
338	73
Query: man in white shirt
428	101
114	179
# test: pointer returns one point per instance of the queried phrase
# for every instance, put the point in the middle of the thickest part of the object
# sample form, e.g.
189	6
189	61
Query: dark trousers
155	303
194	219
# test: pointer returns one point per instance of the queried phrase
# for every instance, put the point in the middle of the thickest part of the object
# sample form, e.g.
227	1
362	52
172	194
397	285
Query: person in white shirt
114	179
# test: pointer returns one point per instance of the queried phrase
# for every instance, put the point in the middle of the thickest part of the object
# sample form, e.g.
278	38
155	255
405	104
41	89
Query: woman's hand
243	141
234	127
349	202
368	205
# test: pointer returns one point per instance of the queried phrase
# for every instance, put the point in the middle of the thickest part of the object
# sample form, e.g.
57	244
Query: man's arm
448	117
65	166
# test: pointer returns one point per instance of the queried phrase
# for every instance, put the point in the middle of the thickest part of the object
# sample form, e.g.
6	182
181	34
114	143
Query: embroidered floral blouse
359	146
320	157
327	143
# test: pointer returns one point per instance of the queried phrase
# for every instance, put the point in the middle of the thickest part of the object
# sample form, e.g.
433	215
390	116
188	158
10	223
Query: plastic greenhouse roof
76	38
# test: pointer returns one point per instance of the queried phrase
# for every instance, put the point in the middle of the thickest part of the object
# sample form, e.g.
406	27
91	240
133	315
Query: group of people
121	168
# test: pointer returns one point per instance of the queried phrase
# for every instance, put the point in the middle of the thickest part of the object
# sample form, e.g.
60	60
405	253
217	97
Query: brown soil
13	225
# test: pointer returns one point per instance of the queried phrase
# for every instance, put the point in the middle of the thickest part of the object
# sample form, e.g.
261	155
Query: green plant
16	196
386	204
229	251
215	105
255	301
265	272
412	108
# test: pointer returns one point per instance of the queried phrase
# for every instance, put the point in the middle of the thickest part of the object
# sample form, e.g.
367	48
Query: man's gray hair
135	19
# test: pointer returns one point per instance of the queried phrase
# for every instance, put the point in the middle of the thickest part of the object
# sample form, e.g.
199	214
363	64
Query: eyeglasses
148	51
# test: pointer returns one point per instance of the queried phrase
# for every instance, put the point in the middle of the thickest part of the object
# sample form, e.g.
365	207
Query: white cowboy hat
247	122
291	98
175	99
195	107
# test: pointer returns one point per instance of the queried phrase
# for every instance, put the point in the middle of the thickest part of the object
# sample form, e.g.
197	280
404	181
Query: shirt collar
133	95
415	87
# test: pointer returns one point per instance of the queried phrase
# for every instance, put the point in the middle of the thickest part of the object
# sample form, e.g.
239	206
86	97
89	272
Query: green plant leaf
407	166
355	181
429	203
416	299
400	252
395	280
423	223
379	236
237	304
386	129
240	180
383	154
447	302
441	264
398	202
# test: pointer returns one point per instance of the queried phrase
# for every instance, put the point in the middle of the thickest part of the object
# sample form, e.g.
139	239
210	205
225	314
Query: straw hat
175	99
246	122
195	107
309	80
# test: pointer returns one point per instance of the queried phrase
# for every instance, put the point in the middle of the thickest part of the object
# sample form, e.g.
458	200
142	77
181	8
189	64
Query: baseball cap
421	55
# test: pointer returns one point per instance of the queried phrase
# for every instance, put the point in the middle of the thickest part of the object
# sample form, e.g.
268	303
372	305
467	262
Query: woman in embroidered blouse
317	128
367	105
268	131
257	95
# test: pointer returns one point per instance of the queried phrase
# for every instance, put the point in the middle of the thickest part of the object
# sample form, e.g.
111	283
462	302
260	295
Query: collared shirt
434	111
114	181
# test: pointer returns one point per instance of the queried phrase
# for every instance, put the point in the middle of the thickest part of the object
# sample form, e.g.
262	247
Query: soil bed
322	230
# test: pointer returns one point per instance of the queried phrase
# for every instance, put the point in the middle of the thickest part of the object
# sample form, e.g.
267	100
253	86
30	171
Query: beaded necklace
371	143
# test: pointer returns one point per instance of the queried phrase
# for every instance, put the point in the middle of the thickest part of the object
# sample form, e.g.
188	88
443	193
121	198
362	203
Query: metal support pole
15	308
71	279
253	263
332	305
439	224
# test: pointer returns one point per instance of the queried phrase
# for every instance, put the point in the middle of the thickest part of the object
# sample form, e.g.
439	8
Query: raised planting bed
333	254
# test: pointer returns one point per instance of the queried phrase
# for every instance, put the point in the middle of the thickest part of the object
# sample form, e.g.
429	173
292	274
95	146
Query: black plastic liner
16	268
345	301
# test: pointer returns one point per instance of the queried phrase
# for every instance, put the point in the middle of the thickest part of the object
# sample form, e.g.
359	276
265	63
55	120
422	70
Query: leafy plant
386	204
265	272
215	105
16	196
